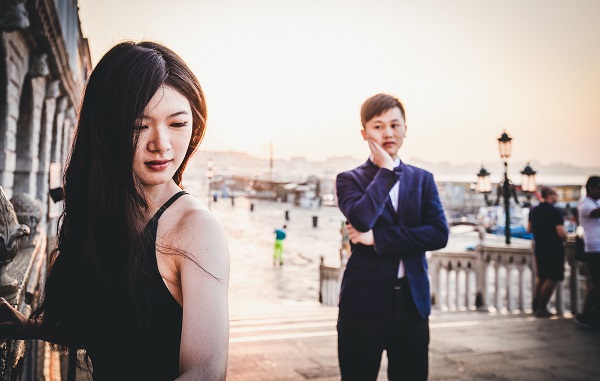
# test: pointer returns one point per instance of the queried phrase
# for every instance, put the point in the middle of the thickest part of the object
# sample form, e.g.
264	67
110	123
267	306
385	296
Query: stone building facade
44	65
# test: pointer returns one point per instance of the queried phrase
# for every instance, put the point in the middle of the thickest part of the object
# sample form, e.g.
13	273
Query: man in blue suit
394	215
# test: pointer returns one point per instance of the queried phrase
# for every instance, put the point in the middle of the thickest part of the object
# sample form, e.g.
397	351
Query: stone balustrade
490	276
20	358
330	279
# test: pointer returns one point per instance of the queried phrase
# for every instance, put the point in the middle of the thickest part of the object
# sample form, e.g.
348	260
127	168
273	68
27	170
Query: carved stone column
57	130
29	126
52	92
16	63
68	131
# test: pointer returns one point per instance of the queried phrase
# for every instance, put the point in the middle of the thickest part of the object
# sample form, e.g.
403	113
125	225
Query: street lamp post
484	184
504	145
528	185
209	177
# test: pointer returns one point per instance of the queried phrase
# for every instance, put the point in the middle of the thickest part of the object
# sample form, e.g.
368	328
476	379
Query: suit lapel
402	199
389	206
371	170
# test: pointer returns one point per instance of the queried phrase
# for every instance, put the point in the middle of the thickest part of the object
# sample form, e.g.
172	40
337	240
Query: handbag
580	254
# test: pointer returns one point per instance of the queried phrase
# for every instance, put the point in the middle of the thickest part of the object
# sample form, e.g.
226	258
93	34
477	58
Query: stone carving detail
70	114
53	89
11	233
61	105
13	15
39	65
28	211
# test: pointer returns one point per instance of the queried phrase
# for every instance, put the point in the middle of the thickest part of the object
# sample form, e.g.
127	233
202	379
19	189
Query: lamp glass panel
484	184
505	149
528	183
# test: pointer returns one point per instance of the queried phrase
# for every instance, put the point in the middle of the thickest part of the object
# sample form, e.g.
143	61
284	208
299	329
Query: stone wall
44	65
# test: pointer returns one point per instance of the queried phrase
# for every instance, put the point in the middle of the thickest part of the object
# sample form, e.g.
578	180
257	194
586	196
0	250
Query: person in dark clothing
139	277
546	222
589	217
394	216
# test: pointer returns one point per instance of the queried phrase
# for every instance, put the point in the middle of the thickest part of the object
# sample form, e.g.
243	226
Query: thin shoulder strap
167	204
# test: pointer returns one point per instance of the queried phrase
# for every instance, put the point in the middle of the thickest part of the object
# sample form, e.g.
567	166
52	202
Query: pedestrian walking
394	216
139	277
546	222
280	235
588	210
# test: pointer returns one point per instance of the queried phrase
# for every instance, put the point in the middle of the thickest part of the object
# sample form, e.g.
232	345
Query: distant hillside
297	169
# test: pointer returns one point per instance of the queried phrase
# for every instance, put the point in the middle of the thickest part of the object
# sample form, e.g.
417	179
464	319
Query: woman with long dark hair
139	277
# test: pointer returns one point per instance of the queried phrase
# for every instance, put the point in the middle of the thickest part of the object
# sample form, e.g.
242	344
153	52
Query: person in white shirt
588	210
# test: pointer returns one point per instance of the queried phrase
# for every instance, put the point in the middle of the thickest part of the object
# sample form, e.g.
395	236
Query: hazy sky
295	73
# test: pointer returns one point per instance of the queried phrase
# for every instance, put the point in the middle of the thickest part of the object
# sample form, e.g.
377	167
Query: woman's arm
204	285
15	325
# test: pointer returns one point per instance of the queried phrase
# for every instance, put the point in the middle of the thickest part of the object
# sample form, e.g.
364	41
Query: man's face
552	198
387	130
595	192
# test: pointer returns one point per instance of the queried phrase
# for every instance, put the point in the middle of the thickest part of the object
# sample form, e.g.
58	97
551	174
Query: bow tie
398	169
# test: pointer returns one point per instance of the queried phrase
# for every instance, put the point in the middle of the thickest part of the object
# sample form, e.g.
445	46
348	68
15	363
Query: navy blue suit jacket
420	225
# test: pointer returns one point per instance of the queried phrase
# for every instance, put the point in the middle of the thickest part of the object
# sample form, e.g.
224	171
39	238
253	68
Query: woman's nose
159	142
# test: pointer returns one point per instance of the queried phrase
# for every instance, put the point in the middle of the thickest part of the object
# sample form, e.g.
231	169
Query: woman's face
164	133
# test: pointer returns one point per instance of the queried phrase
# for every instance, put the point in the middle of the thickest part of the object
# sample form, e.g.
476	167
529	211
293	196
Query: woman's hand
13	324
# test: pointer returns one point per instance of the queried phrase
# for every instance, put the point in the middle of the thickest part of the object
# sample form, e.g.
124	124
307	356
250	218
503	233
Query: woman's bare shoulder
194	212
192	228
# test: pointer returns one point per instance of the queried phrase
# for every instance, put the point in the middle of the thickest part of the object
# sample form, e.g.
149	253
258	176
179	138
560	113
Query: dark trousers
593	262
591	308
404	335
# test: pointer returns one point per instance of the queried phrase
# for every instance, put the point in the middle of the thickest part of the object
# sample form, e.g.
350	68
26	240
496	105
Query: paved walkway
279	332
299	343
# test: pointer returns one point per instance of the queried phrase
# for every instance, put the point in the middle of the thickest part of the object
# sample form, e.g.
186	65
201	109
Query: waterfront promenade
300	344
279	331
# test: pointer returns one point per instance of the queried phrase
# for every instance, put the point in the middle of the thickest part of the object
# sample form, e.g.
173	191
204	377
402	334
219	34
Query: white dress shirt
394	197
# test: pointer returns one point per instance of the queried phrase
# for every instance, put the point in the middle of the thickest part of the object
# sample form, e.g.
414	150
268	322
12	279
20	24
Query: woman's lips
157	165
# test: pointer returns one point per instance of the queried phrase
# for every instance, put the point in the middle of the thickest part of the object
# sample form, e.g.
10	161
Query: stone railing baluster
511	293
497	294
521	285
496	276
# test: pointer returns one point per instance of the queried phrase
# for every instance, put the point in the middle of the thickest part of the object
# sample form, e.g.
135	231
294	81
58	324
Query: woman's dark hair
378	104
100	248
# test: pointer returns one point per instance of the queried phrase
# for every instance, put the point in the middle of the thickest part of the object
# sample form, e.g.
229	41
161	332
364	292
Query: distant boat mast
270	160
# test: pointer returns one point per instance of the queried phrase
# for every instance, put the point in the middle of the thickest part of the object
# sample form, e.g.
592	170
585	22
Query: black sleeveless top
120	348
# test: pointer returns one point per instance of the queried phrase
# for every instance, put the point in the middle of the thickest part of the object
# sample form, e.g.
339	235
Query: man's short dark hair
593	182
547	191
377	104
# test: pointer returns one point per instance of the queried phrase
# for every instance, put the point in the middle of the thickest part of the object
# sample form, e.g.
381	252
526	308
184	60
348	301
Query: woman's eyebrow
182	112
